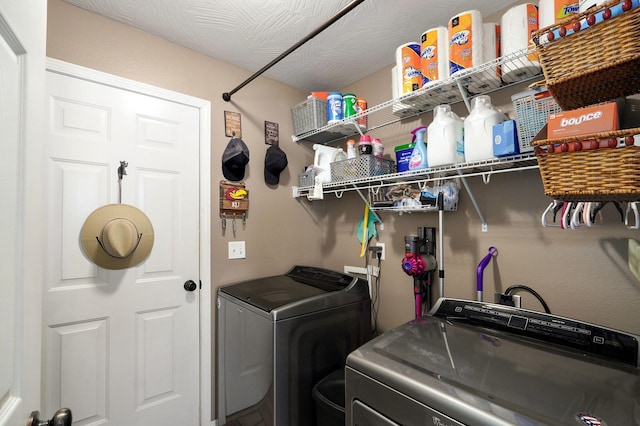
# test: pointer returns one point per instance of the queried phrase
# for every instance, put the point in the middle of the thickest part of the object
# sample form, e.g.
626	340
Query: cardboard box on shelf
583	121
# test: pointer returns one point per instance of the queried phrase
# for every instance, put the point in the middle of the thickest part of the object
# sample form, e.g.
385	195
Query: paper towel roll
465	41
434	54
587	4
552	11
399	109
408	64
489	79
516	28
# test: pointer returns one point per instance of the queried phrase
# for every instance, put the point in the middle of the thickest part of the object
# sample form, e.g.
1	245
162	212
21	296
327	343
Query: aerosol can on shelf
418	158
445	143
478	129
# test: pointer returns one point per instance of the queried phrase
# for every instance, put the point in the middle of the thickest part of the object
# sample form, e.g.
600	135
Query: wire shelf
459	88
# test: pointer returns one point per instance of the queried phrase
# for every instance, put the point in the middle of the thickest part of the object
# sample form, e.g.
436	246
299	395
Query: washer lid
468	371
270	293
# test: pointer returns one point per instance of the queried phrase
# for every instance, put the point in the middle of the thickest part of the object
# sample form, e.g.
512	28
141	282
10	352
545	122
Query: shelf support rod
367	203
465	95
475	203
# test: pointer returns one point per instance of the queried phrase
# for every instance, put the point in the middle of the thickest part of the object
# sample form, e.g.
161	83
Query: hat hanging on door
117	236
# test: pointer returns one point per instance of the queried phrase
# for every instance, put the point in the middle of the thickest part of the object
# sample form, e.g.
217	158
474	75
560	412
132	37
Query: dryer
278	336
475	363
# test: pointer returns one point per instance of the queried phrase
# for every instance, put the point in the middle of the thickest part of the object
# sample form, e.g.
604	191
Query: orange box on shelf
583	121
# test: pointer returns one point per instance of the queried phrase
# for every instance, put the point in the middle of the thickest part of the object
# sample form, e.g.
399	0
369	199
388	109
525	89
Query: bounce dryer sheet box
583	121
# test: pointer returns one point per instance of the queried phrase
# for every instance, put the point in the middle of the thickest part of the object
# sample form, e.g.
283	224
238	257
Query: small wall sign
271	134
232	124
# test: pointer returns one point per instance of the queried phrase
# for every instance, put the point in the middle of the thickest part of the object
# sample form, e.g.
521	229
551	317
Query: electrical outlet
237	250
381	245
509	300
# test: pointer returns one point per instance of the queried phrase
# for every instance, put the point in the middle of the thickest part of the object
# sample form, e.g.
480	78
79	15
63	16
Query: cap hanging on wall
234	159
275	161
117	236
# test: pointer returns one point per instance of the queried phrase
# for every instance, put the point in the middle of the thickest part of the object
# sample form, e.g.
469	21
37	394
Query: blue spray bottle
419	154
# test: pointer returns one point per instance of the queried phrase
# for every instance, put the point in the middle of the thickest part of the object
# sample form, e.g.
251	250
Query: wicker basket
360	167
531	115
602	174
596	64
309	115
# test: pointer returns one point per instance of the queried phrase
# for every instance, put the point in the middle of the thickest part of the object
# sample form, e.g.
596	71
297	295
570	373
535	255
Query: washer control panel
601	342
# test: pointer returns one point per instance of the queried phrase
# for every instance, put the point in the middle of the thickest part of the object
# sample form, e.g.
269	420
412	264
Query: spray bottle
418	158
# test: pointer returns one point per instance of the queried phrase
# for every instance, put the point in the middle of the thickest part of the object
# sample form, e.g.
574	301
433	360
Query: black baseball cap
234	159
275	161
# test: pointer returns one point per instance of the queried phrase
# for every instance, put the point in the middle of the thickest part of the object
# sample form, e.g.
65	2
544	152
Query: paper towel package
434	55
465	41
516	27
489	79
408	67
550	12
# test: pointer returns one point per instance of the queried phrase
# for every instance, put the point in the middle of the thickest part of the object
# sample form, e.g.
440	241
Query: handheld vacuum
419	262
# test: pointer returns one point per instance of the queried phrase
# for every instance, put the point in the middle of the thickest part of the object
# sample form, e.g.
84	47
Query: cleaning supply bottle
418	158
351	149
445	137
364	145
478	129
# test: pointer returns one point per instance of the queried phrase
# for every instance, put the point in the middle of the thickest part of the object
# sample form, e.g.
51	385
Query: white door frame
204	107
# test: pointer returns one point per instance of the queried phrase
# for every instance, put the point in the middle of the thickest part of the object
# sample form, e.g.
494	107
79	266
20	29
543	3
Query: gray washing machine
278	336
475	363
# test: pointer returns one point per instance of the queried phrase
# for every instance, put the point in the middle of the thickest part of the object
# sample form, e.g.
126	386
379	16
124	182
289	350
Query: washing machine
475	363
278	336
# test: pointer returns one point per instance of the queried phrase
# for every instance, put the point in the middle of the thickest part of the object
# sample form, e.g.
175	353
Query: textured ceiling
252	33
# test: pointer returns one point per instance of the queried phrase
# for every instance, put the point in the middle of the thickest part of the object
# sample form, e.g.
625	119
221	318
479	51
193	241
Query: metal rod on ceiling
227	96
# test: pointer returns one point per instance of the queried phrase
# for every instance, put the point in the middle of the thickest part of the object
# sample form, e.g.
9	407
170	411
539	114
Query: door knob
62	417
190	285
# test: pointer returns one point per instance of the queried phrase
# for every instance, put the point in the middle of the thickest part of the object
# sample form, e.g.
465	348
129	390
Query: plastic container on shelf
403	155
377	147
445	144
364	145
351	149
478	129
334	107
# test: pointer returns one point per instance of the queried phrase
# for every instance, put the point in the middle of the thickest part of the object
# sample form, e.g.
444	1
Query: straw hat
117	236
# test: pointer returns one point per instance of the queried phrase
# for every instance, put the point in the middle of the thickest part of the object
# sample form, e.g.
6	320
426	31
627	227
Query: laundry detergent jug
325	155
418	158
445	143
478	129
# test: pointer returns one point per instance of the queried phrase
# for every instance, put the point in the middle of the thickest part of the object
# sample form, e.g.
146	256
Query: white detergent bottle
444	137
478	129
418	158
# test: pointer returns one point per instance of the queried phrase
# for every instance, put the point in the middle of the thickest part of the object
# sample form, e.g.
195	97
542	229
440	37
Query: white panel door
121	347
22	60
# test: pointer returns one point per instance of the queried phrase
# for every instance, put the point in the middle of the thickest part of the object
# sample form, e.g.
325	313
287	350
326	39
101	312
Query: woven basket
602	174
596	64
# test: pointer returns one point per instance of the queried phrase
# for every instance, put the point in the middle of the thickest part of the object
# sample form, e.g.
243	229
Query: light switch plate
237	250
